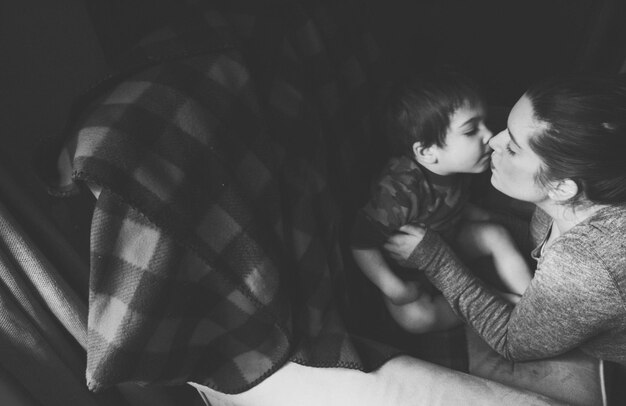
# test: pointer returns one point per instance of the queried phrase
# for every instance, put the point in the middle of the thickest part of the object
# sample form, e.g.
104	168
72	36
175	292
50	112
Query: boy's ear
424	154
563	190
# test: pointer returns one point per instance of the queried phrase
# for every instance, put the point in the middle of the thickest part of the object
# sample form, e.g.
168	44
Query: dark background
53	51
504	44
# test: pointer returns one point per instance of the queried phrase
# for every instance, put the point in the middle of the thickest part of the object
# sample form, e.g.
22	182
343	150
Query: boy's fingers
390	245
411	229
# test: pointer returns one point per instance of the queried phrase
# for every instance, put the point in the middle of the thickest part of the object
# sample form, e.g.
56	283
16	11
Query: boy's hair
418	109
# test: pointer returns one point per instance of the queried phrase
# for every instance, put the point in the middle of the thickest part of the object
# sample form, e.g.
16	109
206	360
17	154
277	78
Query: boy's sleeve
387	210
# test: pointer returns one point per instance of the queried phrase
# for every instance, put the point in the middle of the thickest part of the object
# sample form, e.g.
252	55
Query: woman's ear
563	190
424	155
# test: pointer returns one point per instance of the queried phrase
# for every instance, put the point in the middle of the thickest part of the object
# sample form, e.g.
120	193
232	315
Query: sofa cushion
402	381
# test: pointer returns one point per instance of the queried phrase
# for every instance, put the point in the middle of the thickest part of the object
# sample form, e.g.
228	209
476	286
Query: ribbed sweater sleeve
568	302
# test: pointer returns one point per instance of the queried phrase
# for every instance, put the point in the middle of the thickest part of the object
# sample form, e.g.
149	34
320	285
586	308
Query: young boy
436	126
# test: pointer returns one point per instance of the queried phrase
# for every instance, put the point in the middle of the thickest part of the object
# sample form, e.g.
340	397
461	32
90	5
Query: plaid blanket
214	242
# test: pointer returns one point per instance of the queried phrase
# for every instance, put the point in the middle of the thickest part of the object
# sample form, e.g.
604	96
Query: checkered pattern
214	249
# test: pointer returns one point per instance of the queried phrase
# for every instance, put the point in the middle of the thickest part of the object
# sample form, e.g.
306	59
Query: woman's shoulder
611	218
598	242
605	232
589	261
608	223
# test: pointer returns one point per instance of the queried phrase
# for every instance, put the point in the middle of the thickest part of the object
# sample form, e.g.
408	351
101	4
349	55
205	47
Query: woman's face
513	164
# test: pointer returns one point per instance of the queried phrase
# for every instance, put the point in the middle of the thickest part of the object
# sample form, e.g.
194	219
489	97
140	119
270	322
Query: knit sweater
576	298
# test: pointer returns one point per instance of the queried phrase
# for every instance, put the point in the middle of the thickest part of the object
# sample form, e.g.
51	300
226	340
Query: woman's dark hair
419	108
583	137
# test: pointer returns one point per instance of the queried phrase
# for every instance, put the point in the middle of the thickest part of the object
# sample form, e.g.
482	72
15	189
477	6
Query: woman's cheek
506	181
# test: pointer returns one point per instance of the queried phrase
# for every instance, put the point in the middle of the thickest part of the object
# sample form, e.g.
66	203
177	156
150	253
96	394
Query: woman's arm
566	304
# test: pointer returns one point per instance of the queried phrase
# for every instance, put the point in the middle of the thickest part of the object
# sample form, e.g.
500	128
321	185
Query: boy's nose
488	135
493	142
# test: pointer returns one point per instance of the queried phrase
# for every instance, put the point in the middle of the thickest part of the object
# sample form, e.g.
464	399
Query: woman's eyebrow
513	138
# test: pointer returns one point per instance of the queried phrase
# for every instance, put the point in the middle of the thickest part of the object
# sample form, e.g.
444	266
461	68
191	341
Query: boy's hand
401	245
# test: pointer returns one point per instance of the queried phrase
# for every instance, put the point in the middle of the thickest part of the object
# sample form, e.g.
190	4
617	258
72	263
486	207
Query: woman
563	150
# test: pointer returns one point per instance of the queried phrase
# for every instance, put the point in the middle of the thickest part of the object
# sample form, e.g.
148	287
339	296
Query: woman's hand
402	244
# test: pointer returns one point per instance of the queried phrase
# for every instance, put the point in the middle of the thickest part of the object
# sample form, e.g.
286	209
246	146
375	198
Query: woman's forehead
522	124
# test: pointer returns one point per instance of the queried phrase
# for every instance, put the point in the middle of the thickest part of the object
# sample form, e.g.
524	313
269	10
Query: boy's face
467	143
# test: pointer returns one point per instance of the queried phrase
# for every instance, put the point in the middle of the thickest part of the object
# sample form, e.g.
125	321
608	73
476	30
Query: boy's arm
375	267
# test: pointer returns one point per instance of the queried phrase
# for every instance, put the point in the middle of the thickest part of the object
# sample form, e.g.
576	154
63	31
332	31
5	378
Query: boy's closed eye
473	126
472	131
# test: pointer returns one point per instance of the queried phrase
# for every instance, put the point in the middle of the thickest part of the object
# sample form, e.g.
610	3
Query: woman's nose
494	142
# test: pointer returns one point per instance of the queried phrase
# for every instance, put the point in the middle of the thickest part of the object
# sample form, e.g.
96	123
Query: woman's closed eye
508	149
